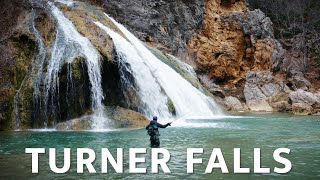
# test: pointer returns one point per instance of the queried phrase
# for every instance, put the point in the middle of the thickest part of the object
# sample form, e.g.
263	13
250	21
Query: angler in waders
153	131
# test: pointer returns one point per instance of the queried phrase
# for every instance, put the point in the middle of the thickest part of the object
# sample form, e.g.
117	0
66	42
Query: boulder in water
234	104
119	118
281	106
301	109
84	123
127	118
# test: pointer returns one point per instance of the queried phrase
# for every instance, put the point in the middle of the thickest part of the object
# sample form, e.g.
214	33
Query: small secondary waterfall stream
68	45
37	69
36	74
186	98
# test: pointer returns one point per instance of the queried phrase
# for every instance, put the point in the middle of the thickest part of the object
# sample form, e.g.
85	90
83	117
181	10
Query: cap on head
155	118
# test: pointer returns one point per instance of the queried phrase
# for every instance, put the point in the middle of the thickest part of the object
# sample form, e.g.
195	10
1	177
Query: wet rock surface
166	24
118	118
128	118
301	109
84	123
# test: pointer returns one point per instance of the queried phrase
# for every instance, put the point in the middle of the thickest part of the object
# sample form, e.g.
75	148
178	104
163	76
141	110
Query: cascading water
68	45
148	89
186	98
156	84
37	67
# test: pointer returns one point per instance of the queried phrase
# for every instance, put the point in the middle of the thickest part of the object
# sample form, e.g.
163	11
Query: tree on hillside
296	26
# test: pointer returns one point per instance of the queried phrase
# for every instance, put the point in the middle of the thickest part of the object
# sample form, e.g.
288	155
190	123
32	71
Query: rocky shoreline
265	93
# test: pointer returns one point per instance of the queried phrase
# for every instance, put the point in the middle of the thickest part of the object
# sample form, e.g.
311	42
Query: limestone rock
259	105
263	92
119	118
301	96
84	123
255	99
234	41
316	114
253	93
259	77
233	104
301	109
129	118
257	24
208	84
281	106
298	81
166	25
277	56
280	102
270	89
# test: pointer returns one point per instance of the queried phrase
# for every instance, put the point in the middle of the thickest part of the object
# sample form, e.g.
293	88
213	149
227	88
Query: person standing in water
153	131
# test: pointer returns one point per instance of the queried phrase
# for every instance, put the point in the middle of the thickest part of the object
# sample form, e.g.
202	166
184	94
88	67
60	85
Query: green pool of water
301	134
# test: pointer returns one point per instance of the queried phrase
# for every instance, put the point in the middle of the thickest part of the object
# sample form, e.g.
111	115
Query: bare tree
296	26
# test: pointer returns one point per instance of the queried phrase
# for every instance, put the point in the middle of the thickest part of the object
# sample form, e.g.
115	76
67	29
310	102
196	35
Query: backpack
152	129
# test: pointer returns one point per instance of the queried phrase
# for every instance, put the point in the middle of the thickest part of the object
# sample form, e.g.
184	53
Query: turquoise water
301	134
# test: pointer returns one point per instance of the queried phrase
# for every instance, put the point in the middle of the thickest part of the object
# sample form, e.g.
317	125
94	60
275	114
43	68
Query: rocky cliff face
29	42
16	53
21	50
234	41
165	24
233	49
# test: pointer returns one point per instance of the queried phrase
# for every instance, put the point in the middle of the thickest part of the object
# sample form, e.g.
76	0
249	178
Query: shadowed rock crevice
111	84
74	90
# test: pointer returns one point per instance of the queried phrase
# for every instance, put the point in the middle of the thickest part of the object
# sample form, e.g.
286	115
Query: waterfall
186	98
37	67
149	91
68	45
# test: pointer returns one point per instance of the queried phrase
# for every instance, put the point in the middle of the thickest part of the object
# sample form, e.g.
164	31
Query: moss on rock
171	107
24	45
174	64
83	16
46	25
25	48
77	68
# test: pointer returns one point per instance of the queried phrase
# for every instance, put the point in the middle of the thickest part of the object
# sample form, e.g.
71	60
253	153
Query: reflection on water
265	131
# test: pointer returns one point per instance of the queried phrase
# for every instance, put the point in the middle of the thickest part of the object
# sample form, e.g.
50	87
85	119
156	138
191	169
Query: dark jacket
157	124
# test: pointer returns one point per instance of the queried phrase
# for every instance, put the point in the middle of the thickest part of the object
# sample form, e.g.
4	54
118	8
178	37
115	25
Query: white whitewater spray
148	89
68	45
186	98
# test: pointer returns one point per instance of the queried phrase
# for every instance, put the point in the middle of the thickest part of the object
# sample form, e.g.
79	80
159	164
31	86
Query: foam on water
42	130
